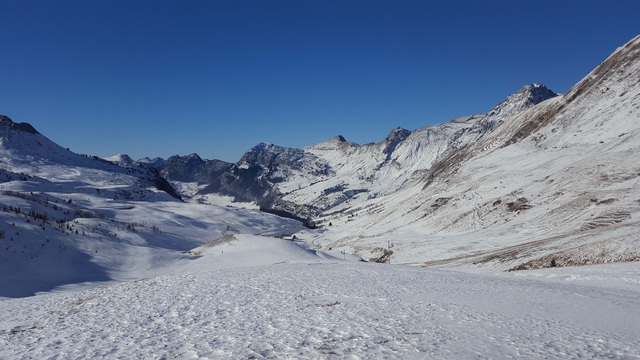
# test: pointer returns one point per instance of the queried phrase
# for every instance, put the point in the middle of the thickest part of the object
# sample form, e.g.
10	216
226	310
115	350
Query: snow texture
324	309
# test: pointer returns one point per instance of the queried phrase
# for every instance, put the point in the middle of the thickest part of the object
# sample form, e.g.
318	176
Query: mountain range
540	180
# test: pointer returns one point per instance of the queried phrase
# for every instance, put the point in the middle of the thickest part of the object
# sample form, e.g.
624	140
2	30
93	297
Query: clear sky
159	78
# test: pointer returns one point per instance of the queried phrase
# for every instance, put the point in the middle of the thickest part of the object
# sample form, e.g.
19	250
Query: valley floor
309	309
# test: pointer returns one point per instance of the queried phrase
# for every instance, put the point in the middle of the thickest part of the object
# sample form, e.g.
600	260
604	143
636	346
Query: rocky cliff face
8	124
192	168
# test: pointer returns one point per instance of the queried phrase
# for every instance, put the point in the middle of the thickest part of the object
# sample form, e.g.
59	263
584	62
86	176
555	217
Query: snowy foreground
317	307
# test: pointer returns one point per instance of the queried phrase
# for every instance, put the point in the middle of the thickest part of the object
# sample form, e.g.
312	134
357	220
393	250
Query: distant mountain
253	178
23	149
69	220
539	177
123	160
188	174
540	180
523	186
303	183
155	162
192	168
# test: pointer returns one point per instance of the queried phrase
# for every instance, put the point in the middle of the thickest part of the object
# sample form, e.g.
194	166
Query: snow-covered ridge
62	231
553	185
478	177
303	183
364	190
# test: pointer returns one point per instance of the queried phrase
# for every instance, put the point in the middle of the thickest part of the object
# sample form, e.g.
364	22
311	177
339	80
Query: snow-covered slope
326	309
25	150
539	180
555	185
68	219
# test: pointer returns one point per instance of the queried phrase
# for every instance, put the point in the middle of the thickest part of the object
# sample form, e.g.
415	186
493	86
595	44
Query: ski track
324	310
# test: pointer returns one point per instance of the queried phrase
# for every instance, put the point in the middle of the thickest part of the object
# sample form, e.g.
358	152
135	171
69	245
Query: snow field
124	240
327	309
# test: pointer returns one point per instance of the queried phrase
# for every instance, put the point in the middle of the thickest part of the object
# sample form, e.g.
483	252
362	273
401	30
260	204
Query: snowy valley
513	233
540	179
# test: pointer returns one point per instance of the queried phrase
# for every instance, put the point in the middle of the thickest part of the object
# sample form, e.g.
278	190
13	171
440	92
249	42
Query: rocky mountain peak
514	104
267	155
536	93
122	160
154	163
526	97
395	137
335	143
188	160
337	139
7	123
192	168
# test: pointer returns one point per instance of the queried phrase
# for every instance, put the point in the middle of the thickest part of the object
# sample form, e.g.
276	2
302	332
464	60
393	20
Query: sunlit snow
97	262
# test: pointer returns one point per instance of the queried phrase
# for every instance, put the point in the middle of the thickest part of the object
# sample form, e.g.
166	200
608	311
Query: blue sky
158	78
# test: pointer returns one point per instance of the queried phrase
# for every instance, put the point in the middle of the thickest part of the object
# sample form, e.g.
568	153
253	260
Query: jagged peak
262	145
122	160
530	94
194	156
268	148
336	142
395	137
526	97
180	158
119	157
155	162
7	123
397	134
536	93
